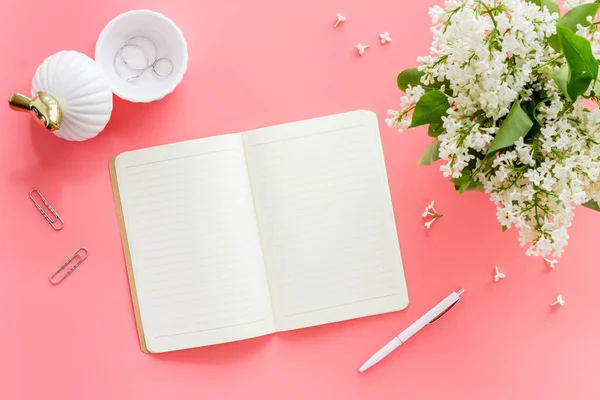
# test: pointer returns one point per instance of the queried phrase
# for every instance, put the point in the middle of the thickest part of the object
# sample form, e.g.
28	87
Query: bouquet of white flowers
506	91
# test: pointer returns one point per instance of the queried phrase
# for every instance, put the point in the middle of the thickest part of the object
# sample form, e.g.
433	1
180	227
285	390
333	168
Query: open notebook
241	235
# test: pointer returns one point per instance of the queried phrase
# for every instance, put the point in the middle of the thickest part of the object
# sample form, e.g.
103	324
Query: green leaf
435	130
516	125
579	15
465	186
465	182
530	109
411	76
476	186
464	178
583	66
593	205
561	77
536	108
430	109
504	228
549	4
575	16
432	153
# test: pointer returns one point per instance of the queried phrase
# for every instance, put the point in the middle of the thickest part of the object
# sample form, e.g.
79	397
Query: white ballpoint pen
430	317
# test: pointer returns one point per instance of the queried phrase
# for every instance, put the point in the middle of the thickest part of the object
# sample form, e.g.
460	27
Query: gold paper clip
55	221
80	254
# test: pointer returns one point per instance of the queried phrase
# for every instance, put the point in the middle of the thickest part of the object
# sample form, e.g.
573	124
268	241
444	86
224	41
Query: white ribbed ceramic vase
82	91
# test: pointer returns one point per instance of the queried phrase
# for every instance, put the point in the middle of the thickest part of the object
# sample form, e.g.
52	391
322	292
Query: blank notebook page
194	243
326	220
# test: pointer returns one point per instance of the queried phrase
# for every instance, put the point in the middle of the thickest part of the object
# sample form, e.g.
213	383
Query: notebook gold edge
122	229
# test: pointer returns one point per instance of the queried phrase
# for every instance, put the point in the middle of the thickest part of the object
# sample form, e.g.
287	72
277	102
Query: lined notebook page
326	220
194	243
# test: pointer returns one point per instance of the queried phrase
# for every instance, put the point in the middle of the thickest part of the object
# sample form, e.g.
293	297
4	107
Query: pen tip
359	371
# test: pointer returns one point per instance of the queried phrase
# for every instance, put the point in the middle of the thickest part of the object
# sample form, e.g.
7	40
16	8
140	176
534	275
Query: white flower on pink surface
499	275
430	212
385	38
559	301
551	263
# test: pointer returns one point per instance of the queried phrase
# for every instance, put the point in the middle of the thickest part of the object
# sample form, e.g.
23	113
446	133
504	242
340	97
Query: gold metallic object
43	107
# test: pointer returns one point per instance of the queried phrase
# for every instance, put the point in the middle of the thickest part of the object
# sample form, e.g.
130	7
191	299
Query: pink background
253	64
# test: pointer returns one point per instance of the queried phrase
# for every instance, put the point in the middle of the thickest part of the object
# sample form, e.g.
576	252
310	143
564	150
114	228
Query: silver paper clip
55	221
80	254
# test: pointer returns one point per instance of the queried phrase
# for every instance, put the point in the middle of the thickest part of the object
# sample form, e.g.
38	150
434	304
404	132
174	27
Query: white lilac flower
499	275
559	301
485	64
430	211
399	119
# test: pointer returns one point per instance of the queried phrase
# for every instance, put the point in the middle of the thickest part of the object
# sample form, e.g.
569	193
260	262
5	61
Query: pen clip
444	313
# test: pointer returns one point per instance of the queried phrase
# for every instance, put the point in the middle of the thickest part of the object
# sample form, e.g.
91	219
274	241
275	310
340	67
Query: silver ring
149	65
158	61
120	53
149	41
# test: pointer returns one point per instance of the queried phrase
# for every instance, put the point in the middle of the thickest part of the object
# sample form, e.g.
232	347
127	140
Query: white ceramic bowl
169	42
